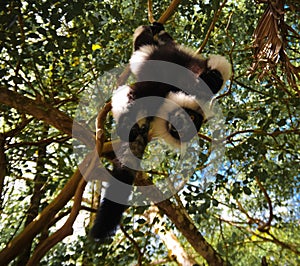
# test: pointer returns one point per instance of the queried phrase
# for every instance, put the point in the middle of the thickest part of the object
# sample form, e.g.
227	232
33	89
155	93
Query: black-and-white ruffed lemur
170	73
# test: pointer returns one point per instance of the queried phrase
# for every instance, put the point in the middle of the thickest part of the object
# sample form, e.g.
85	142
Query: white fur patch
160	130
185	101
221	64
139	57
173	101
120	101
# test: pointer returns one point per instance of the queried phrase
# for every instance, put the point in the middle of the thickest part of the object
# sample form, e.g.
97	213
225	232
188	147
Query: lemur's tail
107	220
113	205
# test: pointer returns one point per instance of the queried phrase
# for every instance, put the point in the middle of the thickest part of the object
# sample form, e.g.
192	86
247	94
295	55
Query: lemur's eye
192	117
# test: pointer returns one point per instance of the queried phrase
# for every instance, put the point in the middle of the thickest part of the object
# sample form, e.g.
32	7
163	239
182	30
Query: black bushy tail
107	220
113	204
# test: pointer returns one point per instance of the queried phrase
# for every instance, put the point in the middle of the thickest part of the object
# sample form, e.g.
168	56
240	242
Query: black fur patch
213	79
110	213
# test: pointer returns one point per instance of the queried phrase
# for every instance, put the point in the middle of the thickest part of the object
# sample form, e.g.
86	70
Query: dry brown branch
271	44
251	220
59	216
16	246
184	224
205	137
46	216
3	166
47	113
100	136
67	229
172	243
262	226
135	244
191	233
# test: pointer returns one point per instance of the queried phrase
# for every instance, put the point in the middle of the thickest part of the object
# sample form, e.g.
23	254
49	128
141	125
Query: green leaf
137	234
247	190
141	221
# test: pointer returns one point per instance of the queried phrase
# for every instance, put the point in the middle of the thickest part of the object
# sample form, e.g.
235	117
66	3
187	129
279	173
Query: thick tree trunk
175	249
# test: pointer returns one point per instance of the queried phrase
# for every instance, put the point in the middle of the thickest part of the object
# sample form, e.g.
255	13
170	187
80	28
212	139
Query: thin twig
64	231
211	27
135	244
165	16
265	226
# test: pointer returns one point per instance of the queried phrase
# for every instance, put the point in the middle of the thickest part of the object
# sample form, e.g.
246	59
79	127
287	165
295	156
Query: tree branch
135	244
184	224
3	166
47	113
175	249
273	239
165	16
150	12
65	230
265	226
211	27
16	246
262	132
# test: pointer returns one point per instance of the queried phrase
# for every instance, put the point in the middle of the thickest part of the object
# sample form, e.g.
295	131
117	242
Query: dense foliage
55	53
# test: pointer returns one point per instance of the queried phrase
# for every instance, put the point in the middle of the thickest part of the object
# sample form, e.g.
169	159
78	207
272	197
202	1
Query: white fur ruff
160	130
221	64
185	101
139	57
173	101
120	101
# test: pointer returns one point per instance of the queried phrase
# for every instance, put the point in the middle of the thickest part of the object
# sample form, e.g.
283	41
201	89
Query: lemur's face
183	123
